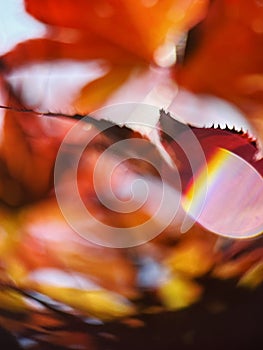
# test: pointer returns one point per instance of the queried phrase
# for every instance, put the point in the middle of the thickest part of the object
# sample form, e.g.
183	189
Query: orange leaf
228	54
138	26
239	266
126	34
96	92
43	221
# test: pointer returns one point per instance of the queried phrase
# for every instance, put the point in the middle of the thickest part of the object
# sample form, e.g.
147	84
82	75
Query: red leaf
27	153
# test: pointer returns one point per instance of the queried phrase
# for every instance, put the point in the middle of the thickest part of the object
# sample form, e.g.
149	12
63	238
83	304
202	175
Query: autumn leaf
124	35
192	257
176	135
240	266
28	150
102	304
178	293
138	27
227	54
99	89
253	277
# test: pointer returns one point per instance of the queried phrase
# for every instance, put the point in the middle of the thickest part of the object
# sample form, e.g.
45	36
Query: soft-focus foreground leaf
45	228
101	304
40	252
12	301
226	59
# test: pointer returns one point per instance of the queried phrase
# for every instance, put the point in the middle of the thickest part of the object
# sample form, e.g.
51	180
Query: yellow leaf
96	92
193	257
98	303
179	292
12	301
253	277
